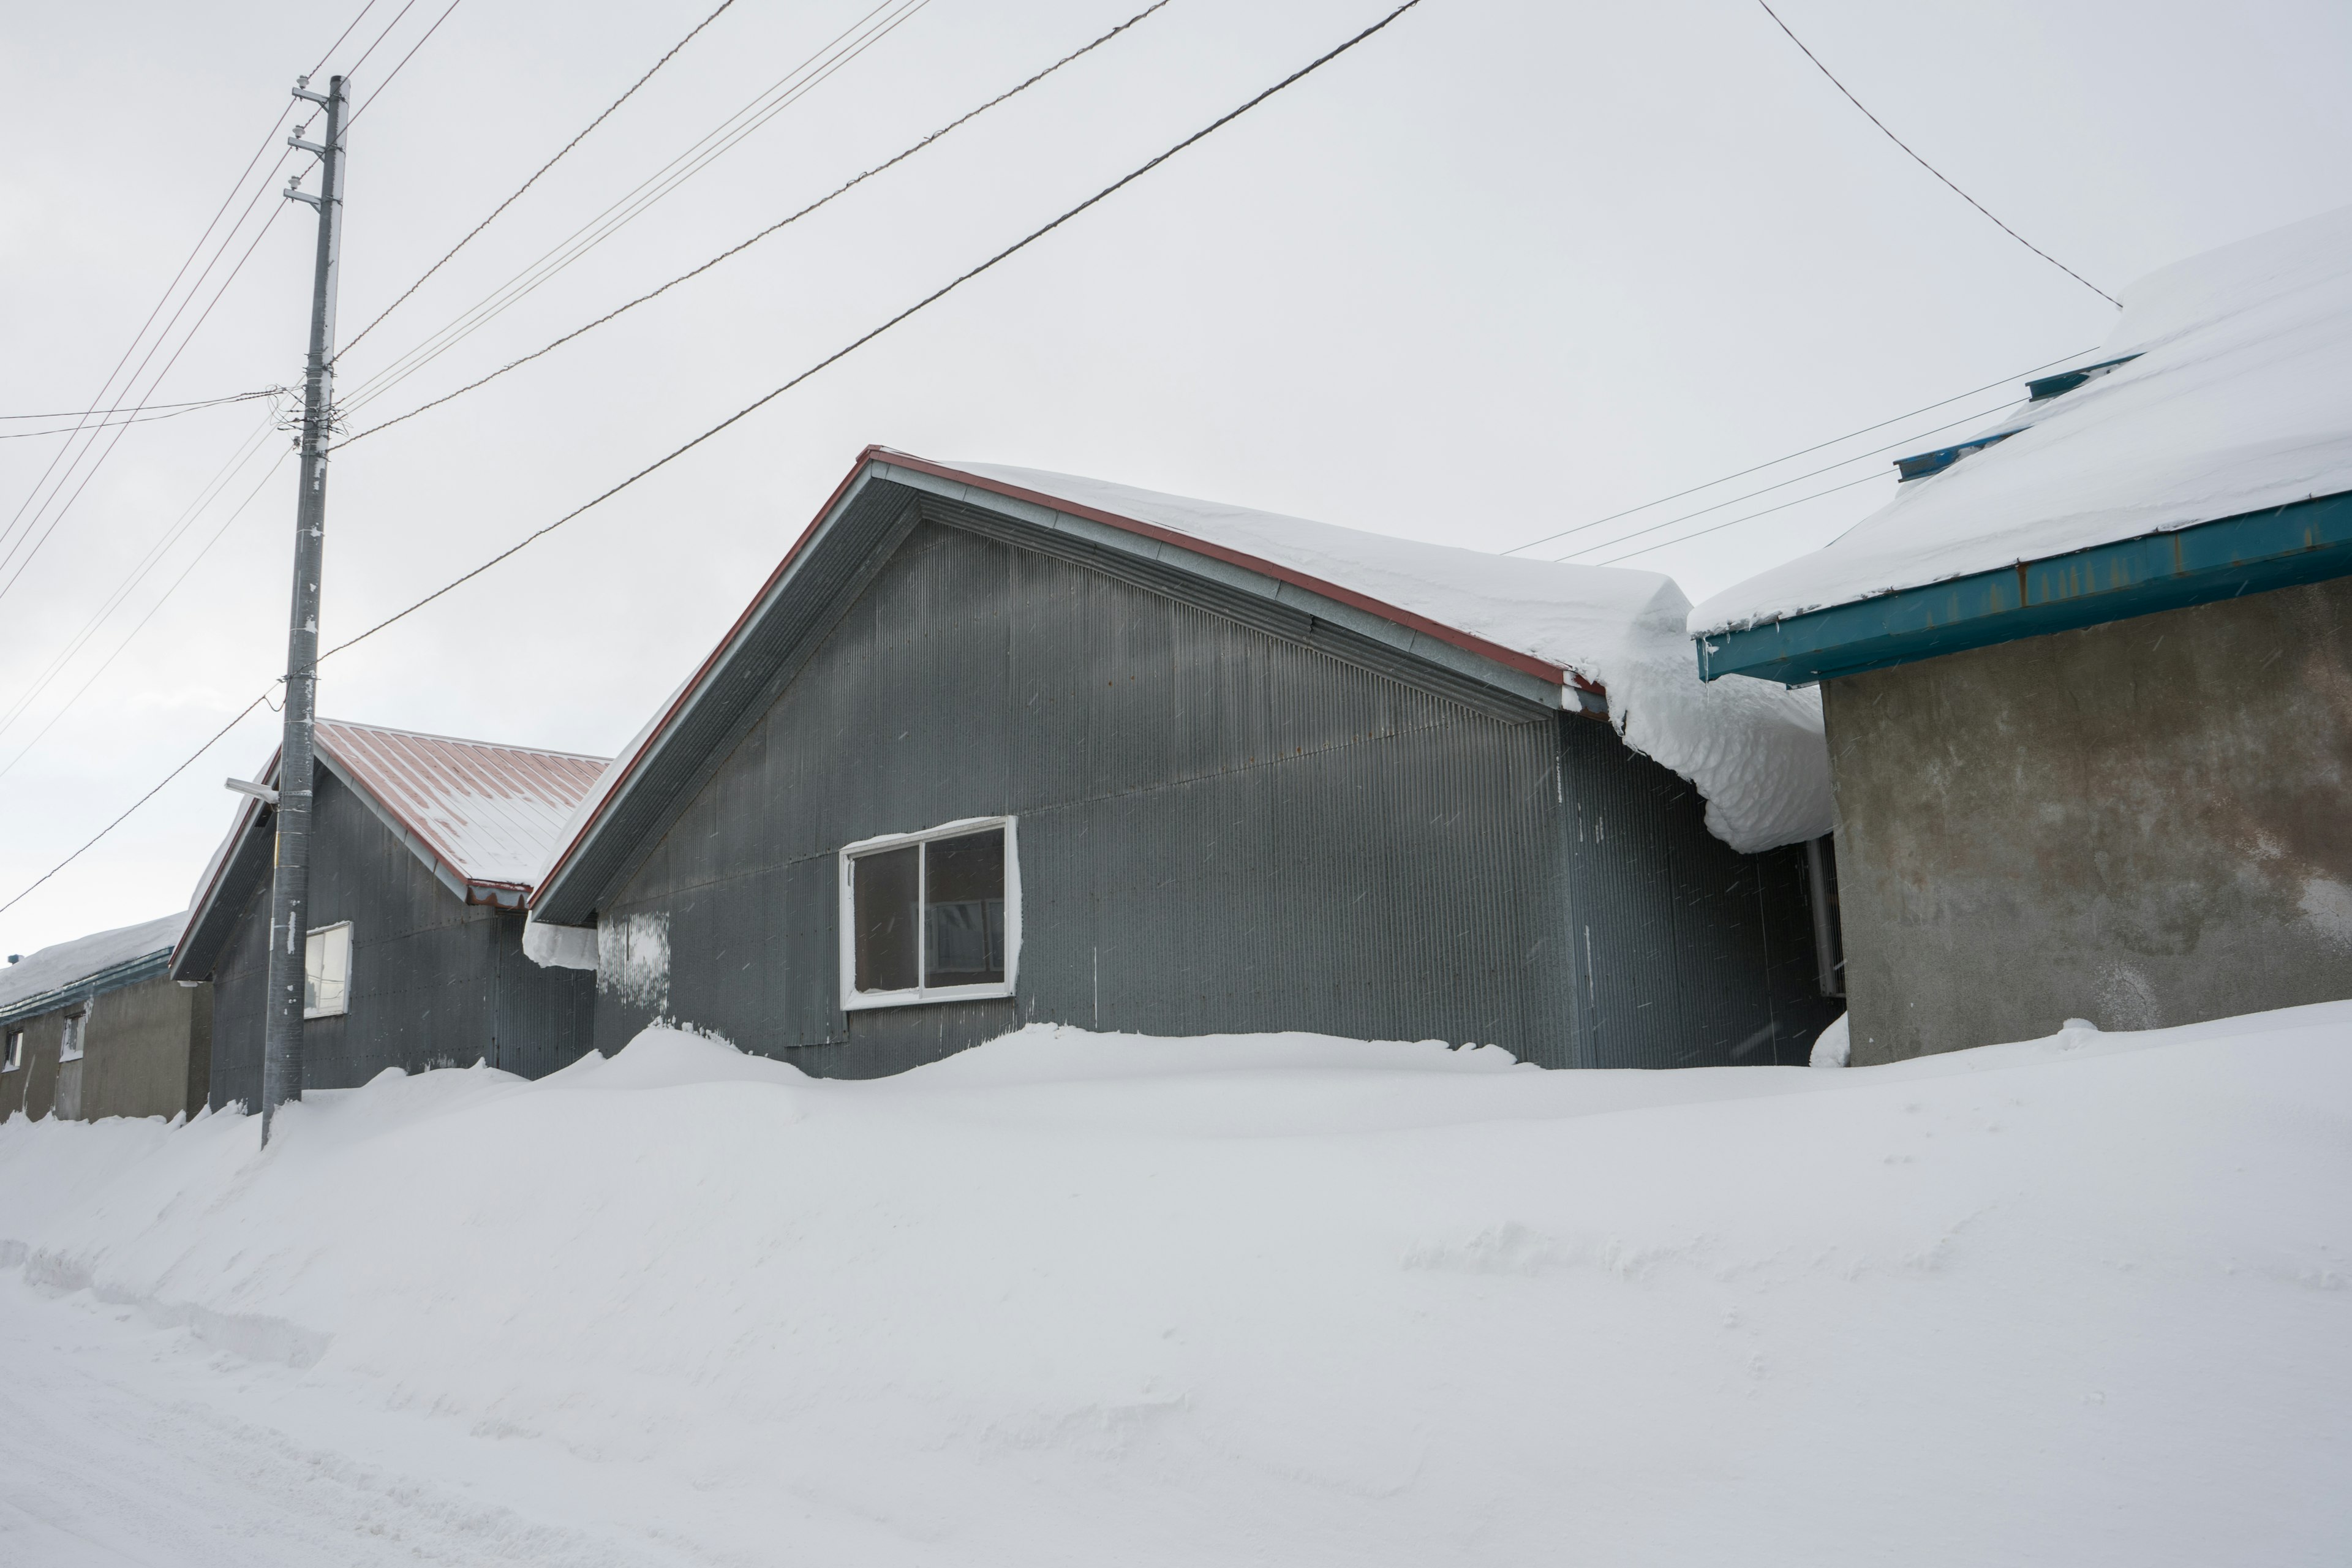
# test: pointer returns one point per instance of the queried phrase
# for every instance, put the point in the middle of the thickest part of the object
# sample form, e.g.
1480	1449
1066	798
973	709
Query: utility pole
290	900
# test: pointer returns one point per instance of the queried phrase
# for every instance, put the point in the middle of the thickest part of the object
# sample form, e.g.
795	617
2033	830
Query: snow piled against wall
2241	401
1755	751
1073	1299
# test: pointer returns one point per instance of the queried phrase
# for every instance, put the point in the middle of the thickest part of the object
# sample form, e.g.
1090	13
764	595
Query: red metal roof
489	813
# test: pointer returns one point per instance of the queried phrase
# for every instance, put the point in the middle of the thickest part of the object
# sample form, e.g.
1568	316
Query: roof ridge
462	740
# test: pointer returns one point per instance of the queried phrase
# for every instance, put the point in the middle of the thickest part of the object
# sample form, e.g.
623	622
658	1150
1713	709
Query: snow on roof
1755	756
489	812
2240	400
66	963
1755	751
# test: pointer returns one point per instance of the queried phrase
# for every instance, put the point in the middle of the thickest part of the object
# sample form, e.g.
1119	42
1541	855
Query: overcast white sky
1509	267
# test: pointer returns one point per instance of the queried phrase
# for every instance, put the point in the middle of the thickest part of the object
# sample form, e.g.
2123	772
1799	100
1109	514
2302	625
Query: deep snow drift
1071	1298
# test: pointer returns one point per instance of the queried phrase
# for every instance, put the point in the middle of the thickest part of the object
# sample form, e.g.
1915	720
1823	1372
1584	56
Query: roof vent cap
1919	465
2066	381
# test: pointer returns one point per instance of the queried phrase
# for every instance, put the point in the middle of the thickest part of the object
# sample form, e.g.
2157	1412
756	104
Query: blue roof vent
2066	381
1919	465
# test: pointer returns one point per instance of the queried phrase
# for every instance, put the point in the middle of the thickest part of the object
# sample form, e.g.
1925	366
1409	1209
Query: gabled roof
74	971
1525	636
480	816
2172	478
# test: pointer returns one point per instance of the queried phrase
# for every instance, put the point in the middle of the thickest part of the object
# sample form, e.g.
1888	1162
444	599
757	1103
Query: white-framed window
70	1044
13	1057
326	972
931	917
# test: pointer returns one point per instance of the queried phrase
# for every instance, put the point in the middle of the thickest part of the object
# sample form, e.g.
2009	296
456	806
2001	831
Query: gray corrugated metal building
978	756
422	851
93	1029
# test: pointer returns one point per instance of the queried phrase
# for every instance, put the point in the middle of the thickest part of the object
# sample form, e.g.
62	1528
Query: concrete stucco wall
2142	824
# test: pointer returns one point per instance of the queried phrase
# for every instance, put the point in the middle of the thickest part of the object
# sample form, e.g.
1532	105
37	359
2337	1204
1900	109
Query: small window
326	972
70	1046
931	917
15	1057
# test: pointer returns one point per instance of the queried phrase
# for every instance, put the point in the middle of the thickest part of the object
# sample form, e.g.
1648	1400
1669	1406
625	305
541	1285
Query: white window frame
350	961
73	1044
12	1053
855	1001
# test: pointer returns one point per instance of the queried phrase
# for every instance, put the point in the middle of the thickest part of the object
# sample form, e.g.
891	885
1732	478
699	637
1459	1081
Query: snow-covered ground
1081	1299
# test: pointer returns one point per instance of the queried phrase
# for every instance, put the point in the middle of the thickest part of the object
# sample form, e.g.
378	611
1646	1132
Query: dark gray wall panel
435	983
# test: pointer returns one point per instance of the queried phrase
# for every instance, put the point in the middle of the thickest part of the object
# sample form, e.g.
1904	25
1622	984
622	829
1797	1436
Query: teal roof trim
147	966
2309	542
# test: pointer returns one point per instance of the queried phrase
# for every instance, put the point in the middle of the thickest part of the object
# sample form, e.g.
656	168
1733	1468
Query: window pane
882	899
963	910
327	971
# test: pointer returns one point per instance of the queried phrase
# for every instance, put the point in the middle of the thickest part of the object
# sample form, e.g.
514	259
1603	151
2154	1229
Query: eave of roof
1576	693
130	972
2309	542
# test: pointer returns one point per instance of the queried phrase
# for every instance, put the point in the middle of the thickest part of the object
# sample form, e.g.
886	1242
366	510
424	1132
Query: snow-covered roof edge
59	971
1756	756
2237	399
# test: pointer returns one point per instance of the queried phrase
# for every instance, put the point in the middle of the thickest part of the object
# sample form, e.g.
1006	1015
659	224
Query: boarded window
928	916
326	972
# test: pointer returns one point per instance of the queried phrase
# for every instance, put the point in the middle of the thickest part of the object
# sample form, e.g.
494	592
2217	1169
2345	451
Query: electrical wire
1792	480
794	86
244	453
395	70
526	184
1219	123
132	636
780	223
134	416
127	408
1736	520
1799	452
1931	168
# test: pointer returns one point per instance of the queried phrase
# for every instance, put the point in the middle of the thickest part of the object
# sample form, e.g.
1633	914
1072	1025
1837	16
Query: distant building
994	746
92	1028
422	852
2088	677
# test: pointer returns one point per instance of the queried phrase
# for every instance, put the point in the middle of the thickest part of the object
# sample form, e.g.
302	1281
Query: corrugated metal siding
490	813
1219	829
1687	954
435	982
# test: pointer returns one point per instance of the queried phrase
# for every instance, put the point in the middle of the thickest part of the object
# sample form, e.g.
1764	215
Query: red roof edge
1510	658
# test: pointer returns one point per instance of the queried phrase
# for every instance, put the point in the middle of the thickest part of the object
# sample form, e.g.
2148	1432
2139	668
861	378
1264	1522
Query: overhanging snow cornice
2310	541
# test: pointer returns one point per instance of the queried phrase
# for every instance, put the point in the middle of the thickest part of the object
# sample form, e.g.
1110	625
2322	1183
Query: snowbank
1075	1299
2241	401
1755	753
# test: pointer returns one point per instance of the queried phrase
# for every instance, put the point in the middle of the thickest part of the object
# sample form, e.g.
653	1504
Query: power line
127	408
526	184
1791	480
929	300
1931	168
1799	452
1219	123
217	736
351	70
132	636
1736	520
403	60
132	417
837	191
795	85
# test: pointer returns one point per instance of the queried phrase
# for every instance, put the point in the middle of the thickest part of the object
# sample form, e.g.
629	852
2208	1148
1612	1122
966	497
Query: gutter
2305	542
130	972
